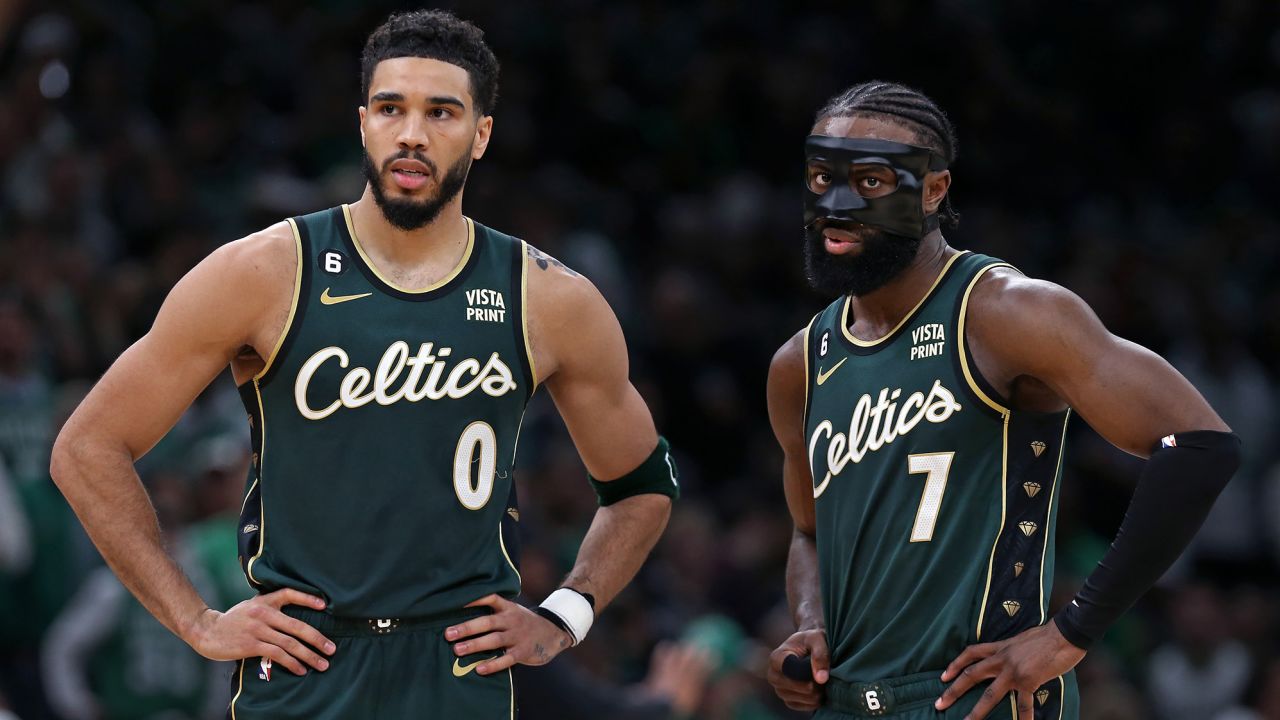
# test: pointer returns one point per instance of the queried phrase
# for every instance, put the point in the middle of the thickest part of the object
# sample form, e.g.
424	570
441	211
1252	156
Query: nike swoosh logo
822	376
460	670
327	299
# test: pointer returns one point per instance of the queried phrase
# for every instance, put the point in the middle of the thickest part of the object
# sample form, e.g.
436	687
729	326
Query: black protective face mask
873	182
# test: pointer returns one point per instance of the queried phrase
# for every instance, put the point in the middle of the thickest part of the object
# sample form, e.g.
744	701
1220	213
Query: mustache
411	155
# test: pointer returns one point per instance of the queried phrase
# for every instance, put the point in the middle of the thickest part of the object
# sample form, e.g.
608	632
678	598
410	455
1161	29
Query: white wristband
573	609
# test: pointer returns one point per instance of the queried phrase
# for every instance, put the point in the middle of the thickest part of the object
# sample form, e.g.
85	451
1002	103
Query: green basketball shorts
389	669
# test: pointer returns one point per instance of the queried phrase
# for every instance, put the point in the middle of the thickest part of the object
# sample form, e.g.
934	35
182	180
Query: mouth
840	240
409	174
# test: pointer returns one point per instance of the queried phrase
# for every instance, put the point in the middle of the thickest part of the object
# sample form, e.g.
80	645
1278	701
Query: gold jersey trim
515	447
524	314
239	688
844	313
262	509
1053	491
503	544
1004	474
511	683
462	263
293	307
961	342
808	330
249	492
1062	696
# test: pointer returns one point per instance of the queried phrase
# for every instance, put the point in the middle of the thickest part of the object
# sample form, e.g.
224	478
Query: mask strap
930	224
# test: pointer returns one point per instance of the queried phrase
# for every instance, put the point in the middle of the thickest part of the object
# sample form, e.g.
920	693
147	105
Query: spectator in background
5	712
15	547
1204	672
673	689
33	595
107	658
15	534
26	395
217	487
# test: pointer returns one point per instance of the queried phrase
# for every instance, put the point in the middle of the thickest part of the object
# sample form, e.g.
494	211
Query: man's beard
411	214
884	255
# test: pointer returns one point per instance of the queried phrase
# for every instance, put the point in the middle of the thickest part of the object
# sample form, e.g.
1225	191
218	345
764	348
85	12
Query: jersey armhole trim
502	543
522	330
1050	516
296	307
808	395
977	384
1004	516
262	502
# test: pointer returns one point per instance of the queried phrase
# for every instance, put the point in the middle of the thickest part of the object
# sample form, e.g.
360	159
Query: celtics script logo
400	376
873	426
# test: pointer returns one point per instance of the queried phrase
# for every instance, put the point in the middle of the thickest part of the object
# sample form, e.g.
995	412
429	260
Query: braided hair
904	106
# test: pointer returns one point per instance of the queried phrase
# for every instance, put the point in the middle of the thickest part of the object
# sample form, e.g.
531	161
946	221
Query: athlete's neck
433	249
877	313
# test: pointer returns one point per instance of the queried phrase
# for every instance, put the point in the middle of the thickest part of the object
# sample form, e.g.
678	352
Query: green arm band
656	475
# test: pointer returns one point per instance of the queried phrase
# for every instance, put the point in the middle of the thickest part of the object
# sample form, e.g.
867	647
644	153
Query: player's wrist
571	611
556	622
808	616
196	626
806	623
1068	633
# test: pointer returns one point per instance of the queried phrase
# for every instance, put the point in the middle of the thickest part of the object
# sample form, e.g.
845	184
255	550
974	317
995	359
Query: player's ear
484	128
362	114
936	185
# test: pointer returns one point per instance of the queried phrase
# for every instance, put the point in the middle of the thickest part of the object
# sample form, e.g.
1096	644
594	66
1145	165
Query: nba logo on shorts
265	665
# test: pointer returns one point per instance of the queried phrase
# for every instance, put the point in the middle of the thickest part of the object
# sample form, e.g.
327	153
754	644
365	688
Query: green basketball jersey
935	502
384	429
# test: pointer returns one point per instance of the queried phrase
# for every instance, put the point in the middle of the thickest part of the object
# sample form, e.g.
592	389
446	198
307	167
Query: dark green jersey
384	429
935	503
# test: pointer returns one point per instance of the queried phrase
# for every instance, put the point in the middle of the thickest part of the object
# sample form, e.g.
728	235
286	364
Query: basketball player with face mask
922	417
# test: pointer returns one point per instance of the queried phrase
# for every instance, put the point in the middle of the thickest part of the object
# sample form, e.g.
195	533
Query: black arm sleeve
1175	492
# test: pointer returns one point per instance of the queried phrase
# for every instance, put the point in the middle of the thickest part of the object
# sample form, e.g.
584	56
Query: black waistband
882	697
337	626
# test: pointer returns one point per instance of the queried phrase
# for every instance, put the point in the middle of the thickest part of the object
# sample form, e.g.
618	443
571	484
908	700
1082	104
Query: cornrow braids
908	107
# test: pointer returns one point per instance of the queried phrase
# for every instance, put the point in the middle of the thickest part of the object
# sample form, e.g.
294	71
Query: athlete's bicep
608	420
203	322
1130	395
786	396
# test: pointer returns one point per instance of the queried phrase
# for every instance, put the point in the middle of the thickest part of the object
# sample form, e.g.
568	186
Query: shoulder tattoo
544	261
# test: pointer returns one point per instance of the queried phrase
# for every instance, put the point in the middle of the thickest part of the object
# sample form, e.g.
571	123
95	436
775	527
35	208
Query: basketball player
922	418
384	351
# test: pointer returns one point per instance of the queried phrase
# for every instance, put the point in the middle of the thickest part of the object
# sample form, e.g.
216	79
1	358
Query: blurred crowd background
1125	150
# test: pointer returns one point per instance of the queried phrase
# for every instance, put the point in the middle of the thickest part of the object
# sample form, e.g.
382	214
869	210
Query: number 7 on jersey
935	467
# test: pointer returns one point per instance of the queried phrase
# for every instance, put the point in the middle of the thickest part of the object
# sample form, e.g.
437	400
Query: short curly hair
438	35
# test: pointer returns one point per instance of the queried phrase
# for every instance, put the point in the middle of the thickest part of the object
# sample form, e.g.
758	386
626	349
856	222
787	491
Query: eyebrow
392	96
